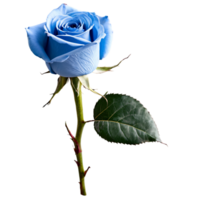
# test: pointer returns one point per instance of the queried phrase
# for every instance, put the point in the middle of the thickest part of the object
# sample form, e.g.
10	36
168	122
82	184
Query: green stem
76	87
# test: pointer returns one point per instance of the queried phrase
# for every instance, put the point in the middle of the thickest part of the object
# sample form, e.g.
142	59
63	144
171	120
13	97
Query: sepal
61	83
85	82
100	70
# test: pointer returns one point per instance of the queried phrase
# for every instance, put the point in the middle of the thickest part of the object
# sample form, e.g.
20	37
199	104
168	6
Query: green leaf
124	120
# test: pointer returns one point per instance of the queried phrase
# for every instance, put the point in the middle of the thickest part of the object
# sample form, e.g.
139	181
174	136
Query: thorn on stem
71	134
88	168
76	162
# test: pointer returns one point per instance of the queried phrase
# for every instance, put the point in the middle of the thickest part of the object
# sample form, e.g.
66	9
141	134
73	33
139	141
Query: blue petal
36	39
79	62
53	23
58	46
98	30
63	9
85	18
105	43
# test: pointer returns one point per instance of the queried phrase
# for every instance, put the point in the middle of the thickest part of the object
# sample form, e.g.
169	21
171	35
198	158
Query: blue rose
71	42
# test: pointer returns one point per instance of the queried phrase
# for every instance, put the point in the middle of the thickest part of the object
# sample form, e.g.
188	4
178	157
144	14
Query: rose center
73	25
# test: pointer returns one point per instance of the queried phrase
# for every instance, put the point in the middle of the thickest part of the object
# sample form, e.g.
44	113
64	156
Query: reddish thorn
76	163
71	134
77	147
88	168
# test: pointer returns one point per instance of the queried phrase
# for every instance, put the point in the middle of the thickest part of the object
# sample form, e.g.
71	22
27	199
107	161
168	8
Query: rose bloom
71	42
